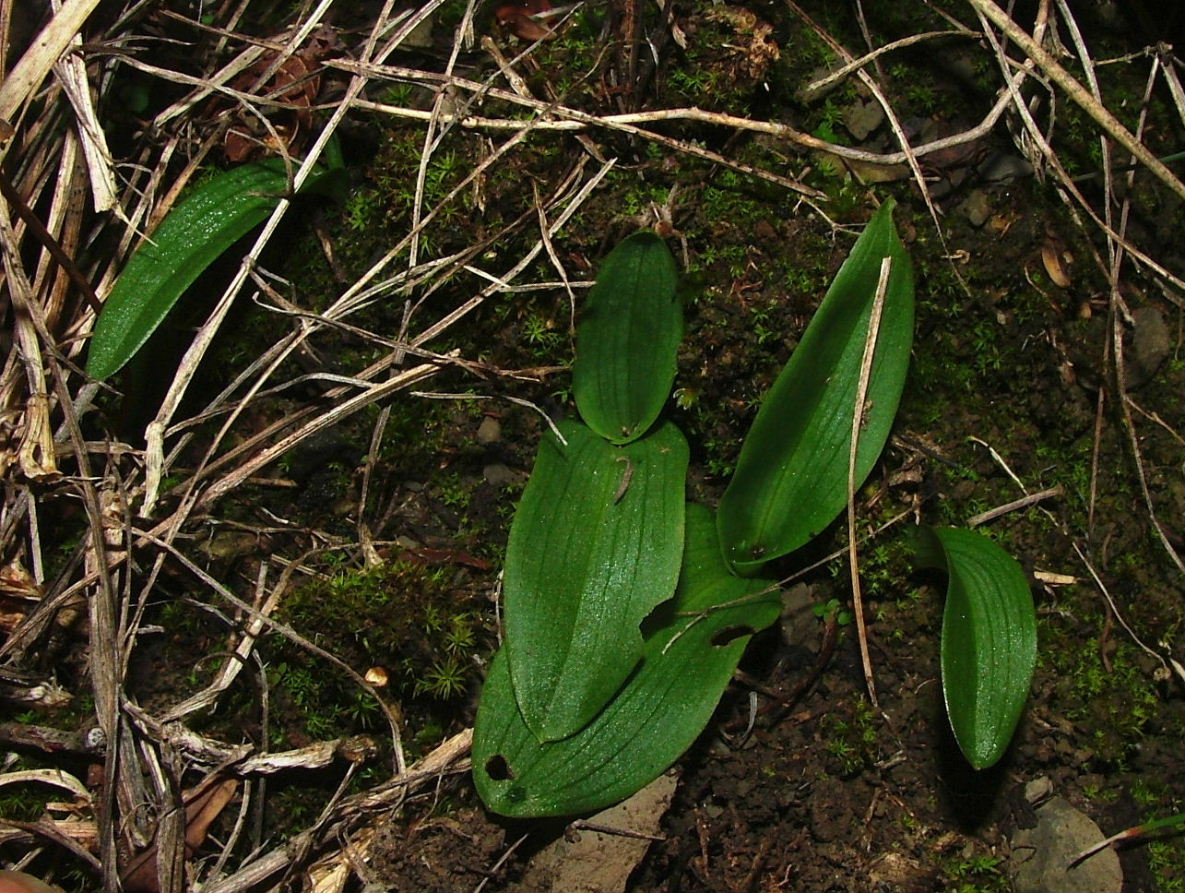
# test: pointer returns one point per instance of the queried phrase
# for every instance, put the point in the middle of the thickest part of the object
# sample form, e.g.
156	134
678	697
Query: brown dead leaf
1056	260
599	853
519	18
17	582
18	592
295	84
752	44
203	804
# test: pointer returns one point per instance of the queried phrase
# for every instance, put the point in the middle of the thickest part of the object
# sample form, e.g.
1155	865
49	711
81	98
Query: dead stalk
858	410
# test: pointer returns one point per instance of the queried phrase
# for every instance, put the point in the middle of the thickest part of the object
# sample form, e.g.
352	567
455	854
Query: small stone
420	36
1040	860
231	544
798	615
1151	340
862	118
976	207
1038	790
499	475
963	68
489	431
1004	166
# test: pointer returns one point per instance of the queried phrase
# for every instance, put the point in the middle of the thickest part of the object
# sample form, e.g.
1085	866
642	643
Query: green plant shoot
193	235
792	474
595	545
627	340
989	639
692	646
602	681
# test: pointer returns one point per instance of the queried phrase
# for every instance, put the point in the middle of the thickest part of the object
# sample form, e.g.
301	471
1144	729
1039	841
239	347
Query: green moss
978	873
410	619
26	802
1165	858
851	741
1115	706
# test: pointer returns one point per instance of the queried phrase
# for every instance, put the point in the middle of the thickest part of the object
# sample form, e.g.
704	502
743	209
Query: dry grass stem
858	410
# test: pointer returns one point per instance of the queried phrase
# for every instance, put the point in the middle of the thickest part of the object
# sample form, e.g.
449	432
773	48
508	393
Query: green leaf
686	664
792	473
989	639
628	336
595	545
193	234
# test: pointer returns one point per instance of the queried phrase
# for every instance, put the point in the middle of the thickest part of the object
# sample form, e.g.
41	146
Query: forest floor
1047	362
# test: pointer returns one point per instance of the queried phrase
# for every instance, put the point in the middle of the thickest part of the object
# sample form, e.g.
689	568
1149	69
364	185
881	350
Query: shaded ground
393	540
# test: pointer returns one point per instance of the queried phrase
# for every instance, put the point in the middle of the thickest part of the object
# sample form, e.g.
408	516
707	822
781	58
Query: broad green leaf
687	662
595	545
629	332
989	639
792	474
193	234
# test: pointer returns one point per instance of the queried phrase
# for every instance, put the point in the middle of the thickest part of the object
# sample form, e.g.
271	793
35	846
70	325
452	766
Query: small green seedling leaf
989	639
196	232
792	474
595	545
687	662
627	339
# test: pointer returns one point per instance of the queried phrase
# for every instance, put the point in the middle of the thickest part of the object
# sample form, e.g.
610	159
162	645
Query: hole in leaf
730	634
660	618
498	769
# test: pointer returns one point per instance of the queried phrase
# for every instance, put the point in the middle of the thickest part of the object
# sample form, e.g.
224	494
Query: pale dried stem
376	392
447	758
1046	153
1088	103
858	415
72	75
1169	664
818	87
207	697
63	222
1016	505
283	629
431	141
559	117
20	83
36	456
340	307
910	155
1119	312
205	336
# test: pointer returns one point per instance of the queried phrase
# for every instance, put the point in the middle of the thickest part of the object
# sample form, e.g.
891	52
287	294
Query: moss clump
851	741
978	872
422	624
1118	706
